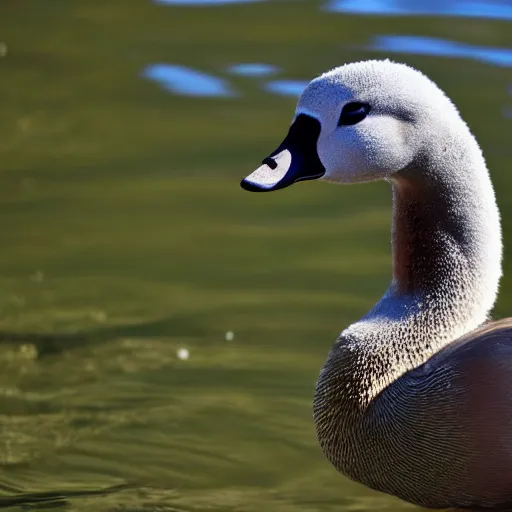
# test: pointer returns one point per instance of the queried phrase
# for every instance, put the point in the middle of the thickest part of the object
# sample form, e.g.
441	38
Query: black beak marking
270	162
301	143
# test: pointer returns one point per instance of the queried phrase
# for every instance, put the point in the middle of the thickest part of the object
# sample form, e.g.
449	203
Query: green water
125	238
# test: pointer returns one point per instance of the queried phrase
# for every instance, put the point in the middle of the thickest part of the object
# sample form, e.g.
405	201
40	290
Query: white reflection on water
253	69
204	2
286	87
442	48
187	81
191	82
493	9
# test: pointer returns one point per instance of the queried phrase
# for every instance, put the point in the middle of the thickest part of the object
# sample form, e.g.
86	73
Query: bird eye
353	112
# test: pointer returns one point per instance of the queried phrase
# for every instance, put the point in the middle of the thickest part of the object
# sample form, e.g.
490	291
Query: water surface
417	45
493	9
186	81
129	250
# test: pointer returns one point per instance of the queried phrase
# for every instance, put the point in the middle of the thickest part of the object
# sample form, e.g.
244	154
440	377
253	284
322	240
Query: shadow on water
54	343
56	498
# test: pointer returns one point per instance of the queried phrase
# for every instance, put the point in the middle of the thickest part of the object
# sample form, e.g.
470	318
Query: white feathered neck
447	252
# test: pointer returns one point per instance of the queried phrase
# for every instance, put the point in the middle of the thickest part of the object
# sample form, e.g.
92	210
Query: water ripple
286	87
253	69
442	48
204	2
465	8
187	81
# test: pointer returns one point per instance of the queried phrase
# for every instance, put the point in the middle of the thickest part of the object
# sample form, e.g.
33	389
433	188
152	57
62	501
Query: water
497	9
185	81
254	69
129	252
286	87
417	45
204	2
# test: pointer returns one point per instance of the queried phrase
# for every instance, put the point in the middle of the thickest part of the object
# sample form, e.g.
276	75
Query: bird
415	398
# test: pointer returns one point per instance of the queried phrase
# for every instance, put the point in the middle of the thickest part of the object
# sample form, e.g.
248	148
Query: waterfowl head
359	122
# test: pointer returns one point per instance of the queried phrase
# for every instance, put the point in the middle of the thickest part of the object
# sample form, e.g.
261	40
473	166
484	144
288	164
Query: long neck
446	263
446	237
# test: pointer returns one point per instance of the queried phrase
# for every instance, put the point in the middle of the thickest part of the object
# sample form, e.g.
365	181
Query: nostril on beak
270	162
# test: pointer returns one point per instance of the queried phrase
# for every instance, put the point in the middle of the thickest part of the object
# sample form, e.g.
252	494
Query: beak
296	159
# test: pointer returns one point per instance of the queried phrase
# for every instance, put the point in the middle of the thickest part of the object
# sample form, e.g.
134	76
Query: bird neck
446	240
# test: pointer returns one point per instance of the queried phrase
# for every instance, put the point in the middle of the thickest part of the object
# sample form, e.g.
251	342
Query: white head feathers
407	110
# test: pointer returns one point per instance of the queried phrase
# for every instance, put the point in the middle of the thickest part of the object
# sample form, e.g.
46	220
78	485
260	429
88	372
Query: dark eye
353	112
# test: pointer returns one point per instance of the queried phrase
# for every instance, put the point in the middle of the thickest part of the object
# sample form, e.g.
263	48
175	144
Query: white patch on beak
266	177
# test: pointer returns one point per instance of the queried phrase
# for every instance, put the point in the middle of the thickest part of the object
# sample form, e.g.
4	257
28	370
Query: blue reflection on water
494	9
186	81
286	87
204	2
253	69
442	48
